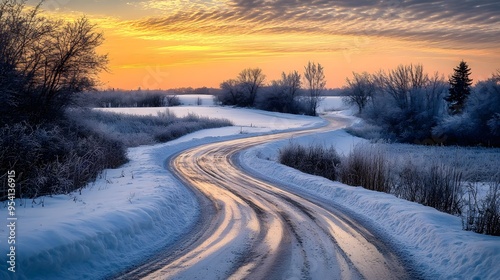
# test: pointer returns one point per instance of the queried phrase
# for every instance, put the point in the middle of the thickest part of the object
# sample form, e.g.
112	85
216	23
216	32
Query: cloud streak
446	24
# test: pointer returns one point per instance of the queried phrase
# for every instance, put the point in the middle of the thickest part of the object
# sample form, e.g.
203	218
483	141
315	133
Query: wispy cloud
349	34
461	23
443	24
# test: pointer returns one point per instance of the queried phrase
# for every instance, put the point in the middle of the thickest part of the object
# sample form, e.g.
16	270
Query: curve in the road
251	229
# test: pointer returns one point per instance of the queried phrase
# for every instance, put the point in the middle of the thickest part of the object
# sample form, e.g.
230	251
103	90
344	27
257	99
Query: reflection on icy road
250	229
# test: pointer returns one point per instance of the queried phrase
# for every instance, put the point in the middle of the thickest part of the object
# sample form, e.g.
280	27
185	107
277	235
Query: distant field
196	99
239	116
330	103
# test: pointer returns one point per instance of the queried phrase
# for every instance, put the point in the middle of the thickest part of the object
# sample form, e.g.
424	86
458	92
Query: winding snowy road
251	229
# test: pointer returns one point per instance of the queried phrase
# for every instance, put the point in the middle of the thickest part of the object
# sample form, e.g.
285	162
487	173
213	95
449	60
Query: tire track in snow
254	230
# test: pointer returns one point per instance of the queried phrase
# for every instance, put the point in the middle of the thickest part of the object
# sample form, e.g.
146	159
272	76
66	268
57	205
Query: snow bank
432	240
125	215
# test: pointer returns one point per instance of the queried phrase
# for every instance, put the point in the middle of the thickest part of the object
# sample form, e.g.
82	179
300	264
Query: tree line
408	105
292	93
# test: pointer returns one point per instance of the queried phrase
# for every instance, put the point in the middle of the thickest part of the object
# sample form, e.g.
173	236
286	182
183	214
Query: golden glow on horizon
203	42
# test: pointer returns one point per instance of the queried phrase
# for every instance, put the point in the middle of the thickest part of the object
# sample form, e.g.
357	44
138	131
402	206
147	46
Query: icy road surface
251	229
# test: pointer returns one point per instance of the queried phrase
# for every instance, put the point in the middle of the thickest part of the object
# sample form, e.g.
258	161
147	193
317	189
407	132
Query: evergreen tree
459	88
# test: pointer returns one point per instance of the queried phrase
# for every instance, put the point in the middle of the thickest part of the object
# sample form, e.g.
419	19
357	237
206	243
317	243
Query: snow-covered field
196	99
250	120
330	103
132	211
207	109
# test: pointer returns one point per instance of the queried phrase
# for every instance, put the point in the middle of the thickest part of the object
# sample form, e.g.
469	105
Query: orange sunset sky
195	43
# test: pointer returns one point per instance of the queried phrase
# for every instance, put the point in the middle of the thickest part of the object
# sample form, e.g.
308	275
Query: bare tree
434	91
407	104
359	90
291	84
250	81
43	62
403	82
231	93
315	81
282	93
412	89
288	86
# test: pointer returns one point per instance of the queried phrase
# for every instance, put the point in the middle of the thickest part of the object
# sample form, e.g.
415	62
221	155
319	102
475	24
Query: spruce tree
459	88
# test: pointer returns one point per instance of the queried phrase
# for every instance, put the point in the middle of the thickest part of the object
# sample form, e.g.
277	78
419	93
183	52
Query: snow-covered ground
247	119
432	240
189	102
128	213
131	211
196	99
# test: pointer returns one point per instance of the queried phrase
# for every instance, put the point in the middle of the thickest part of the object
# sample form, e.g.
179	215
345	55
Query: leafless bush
55	158
167	115
405	102
243	90
189	124
443	189
365	130
410	184
482	215
316	160
173	100
367	166
282	95
359	90
435	185
133	131
126	98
